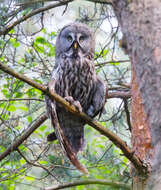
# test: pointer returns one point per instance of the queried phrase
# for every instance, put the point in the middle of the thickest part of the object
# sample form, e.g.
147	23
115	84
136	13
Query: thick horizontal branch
91	181
106	132
35	12
20	140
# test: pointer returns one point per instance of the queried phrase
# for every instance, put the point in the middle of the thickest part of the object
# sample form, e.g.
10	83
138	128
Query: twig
123	95
36	165
32	2
91	181
20	140
25	17
20	99
106	132
111	62
109	2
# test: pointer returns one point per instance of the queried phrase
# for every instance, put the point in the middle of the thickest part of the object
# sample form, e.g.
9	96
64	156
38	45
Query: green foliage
43	46
14	42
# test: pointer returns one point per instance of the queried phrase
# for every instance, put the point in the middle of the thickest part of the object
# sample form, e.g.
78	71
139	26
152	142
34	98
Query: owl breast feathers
74	78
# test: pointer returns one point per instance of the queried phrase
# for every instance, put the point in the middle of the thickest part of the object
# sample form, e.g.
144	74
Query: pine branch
91	181
20	140
34	12
123	95
109	2
106	132
20	99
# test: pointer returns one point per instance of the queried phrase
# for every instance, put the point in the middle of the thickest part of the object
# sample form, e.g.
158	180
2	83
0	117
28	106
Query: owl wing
98	100
61	125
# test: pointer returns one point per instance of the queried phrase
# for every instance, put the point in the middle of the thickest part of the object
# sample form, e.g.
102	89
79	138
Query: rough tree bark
141	139
140	24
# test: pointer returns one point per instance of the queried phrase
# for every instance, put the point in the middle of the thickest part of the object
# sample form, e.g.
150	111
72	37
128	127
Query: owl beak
75	45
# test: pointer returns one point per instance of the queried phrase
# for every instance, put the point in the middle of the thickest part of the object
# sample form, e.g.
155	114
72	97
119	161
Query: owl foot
51	137
74	103
69	99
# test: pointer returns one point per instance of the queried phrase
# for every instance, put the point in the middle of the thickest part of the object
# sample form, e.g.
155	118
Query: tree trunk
141	27
141	139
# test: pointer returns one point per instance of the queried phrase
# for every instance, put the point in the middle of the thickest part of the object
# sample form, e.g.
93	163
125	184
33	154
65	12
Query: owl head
74	40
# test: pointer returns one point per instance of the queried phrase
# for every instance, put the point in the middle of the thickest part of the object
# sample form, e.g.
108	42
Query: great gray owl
74	78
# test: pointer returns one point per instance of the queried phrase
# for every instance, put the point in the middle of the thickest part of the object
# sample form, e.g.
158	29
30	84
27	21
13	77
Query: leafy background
29	49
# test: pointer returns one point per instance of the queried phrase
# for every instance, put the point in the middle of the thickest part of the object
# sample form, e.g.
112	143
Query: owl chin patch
75	55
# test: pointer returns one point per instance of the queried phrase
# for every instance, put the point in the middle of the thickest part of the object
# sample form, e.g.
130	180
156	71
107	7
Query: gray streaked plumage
75	79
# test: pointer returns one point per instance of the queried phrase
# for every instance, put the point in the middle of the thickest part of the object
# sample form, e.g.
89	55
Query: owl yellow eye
81	39
69	38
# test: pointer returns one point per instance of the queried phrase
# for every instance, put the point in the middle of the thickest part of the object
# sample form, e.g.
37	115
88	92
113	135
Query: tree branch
20	140
33	2
106	132
123	95
25	17
91	181
111	62
20	99
36	165
109	2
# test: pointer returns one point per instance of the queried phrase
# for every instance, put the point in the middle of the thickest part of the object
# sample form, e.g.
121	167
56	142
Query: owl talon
74	103
69	99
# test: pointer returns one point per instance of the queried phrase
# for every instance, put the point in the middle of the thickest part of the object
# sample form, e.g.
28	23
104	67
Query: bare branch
21	99
36	165
109	2
20	140
112	62
91	181
106	132
33	2
37	11
123	95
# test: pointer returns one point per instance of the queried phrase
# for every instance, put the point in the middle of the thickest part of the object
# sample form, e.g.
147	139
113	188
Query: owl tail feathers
78	165
74	160
69	152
